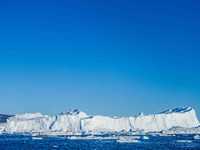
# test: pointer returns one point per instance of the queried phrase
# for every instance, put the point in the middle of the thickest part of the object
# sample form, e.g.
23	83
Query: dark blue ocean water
154	142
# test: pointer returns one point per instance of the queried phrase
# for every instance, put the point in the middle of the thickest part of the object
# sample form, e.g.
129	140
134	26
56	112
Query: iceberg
129	139
184	117
28	122
76	121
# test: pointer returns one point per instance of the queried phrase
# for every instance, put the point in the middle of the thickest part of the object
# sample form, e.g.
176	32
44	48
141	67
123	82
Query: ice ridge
75	120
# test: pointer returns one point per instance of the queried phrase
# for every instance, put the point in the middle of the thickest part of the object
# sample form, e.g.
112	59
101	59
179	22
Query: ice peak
71	112
177	110
74	112
140	114
75	120
27	116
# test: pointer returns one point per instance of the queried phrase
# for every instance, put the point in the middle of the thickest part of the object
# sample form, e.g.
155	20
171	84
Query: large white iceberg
77	121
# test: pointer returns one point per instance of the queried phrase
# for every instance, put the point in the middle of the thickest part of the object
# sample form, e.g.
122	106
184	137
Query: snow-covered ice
76	121
184	117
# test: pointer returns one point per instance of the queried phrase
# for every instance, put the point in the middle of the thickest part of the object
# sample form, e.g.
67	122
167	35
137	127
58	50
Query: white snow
77	121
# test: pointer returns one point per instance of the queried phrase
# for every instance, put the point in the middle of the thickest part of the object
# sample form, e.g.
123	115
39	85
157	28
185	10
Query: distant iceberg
77	121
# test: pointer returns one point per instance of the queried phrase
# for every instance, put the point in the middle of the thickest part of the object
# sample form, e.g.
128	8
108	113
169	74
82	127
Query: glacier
77	121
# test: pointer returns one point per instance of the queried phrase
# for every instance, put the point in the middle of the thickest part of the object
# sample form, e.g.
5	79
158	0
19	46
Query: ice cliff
77	121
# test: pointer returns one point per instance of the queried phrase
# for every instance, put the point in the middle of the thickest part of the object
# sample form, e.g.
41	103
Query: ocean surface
21	142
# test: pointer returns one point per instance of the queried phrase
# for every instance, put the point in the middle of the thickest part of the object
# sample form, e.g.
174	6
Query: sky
114	58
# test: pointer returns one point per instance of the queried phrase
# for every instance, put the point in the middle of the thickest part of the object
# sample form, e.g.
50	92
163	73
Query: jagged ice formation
77	121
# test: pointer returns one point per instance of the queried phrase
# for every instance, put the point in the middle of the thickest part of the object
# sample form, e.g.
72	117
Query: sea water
64	142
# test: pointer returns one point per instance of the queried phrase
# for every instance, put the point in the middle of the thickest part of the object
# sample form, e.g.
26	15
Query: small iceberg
145	138
37	138
92	138
129	139
197	137
184	141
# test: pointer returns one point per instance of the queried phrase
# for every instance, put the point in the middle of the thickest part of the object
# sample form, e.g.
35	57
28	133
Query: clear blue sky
103	57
